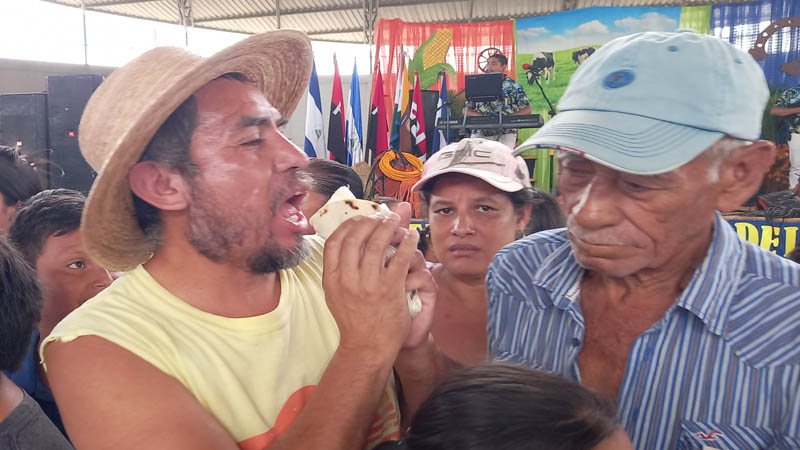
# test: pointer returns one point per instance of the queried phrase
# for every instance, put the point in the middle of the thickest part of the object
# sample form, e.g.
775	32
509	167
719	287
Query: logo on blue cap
618	79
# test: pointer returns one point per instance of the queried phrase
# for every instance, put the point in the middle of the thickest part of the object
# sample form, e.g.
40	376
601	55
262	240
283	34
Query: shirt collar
710	292
708	295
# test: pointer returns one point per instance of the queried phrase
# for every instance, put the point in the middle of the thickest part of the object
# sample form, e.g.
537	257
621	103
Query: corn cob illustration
429	58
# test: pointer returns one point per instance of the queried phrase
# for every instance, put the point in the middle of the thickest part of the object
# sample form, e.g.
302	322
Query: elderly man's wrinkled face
620	224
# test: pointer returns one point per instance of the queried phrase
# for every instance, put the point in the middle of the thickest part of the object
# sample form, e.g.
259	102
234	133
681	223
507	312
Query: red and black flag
416	123
377	128
336	144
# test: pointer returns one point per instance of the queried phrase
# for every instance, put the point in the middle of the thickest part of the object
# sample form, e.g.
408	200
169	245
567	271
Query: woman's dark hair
545	214
54	212
20	306
507	407
18	180
327	176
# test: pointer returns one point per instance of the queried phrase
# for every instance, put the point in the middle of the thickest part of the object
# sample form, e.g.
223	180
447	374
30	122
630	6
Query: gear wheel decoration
792	67
483	57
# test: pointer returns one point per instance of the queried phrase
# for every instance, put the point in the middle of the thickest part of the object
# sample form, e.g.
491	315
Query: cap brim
501	182
624	142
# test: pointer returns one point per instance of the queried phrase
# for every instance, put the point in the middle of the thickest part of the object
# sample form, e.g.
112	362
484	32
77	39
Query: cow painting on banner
552	47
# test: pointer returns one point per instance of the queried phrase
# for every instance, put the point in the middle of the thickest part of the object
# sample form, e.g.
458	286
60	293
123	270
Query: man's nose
598	204
289	156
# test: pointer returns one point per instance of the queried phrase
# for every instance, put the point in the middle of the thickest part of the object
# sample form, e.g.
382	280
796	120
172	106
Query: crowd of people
187	303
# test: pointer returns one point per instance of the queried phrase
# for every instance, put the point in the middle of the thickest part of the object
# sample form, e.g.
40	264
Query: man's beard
214	234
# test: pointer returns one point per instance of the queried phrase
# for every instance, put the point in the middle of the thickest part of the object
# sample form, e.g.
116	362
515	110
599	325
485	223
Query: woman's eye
77	265
485	208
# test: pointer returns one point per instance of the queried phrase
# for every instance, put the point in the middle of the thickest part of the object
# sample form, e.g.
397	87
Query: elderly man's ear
162	187
742	173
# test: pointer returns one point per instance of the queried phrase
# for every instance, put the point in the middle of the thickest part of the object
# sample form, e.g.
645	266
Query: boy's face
67	275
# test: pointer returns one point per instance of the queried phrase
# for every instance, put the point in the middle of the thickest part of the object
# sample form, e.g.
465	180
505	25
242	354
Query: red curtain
469	39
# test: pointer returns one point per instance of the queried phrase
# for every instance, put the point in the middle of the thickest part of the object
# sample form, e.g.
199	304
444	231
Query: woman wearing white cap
478	199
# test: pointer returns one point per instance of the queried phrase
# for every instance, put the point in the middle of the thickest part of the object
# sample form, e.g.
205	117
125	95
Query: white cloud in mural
592	27
651	21
528	34
589	33
593	32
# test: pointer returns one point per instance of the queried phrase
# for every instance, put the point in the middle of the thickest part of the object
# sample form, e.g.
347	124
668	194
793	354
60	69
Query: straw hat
130	106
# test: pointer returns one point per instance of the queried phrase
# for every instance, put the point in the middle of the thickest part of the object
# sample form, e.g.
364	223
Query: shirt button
575	342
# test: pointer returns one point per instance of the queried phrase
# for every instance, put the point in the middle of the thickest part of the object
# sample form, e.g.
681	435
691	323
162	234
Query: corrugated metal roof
343	20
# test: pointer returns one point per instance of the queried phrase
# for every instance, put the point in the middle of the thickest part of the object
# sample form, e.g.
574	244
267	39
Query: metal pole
85	41
278	12
471	7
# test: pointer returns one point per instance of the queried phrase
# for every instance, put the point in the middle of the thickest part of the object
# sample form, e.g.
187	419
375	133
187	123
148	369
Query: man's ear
742	174
160	186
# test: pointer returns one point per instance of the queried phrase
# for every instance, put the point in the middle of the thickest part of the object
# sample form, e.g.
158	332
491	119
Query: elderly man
648	296
225	333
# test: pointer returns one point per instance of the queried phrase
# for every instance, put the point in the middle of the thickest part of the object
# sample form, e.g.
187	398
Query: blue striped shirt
720	369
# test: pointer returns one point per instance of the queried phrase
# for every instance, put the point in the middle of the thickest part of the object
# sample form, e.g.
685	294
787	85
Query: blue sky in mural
591	26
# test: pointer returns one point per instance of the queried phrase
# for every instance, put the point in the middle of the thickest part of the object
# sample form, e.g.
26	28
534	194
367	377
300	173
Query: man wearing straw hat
224	331
648	296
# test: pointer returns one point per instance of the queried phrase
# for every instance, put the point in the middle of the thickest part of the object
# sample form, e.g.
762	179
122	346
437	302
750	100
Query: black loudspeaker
23	124
429	100
66	98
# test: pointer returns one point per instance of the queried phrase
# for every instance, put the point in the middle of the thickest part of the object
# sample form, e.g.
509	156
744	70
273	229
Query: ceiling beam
297	11
339	31
115	3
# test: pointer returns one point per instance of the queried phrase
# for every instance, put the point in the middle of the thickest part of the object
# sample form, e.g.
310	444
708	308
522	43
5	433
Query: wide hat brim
621	141
128	108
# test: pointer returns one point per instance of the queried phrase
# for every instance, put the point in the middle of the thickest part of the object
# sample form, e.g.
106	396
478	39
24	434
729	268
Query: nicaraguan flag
439	138
355	147
315	134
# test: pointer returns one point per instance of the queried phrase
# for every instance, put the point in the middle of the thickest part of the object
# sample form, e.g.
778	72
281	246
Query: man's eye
444	211
253	143
485	208
635	187
77	265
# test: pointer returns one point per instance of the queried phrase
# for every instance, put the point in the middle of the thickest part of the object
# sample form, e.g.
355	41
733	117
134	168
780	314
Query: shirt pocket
697	435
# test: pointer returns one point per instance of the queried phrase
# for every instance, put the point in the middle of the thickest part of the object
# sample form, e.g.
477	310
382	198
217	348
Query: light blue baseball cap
648	103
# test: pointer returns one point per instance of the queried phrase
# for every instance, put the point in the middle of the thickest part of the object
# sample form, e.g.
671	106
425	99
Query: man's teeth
294	217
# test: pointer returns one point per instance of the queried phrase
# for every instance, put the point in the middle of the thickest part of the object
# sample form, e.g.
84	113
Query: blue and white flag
315	134
439	137
355	141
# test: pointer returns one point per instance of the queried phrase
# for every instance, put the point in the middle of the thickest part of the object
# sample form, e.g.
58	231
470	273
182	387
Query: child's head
46	229
18	182
505	407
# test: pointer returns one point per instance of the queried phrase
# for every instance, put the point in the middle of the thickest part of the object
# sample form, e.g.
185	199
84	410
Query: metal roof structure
340	20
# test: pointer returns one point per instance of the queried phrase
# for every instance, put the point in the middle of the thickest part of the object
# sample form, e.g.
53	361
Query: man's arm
420	369
784	111
525	110
110	398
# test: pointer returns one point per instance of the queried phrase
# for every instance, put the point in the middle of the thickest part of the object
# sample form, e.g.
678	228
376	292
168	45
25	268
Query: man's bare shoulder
111	398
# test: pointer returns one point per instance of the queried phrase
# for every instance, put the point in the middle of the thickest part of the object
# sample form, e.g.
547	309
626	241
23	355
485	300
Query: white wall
18	76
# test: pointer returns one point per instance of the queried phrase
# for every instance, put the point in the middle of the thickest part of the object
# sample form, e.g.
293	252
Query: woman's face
470	221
